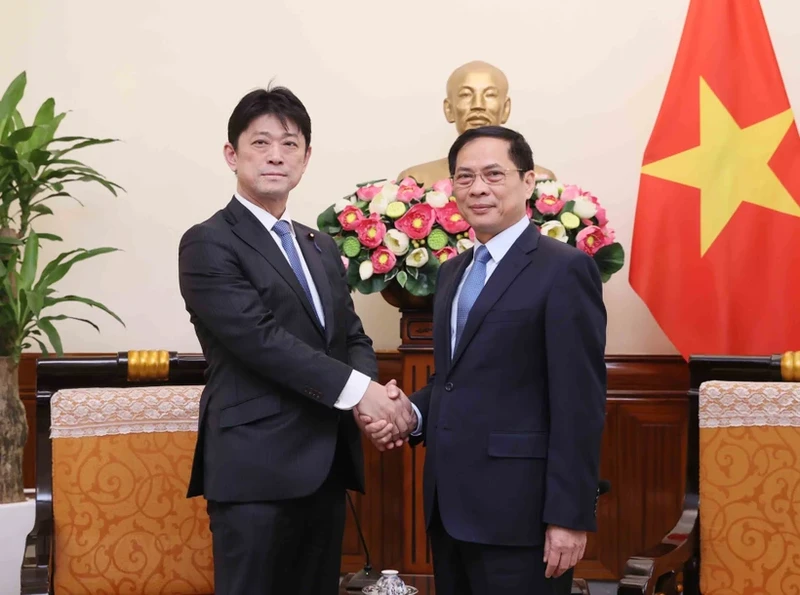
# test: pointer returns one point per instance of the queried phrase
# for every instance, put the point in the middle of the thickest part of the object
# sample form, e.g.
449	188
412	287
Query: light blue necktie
284	231
471	289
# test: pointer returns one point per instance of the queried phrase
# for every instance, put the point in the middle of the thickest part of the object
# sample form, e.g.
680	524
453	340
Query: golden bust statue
477	95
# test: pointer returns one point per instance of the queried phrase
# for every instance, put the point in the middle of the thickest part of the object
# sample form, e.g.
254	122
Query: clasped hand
385	415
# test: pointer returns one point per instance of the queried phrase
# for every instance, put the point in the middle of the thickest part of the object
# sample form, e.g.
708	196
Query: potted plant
36	167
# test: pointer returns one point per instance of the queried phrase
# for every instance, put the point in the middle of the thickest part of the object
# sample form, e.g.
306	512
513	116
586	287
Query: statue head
477	95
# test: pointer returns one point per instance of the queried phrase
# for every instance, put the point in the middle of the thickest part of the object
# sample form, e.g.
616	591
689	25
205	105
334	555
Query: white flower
436	199
365	270
340	205
555	229
549	188
379	204
464	245
396	241
584	209
388	192
418	258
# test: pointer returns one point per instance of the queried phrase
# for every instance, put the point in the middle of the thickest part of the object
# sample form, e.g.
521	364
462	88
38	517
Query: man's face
479	98
269	160
498	202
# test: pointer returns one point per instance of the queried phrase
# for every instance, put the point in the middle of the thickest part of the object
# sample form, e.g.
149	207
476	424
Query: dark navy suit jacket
512	421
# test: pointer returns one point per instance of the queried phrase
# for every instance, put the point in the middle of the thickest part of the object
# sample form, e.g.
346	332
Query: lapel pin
313	239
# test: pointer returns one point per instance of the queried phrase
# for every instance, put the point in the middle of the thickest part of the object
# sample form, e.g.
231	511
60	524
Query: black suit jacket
512	421
268	426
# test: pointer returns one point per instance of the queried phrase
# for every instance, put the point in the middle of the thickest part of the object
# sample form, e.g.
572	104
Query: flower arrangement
402	233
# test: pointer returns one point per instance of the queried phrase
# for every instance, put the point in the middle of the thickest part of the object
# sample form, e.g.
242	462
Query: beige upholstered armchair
114	444
740	528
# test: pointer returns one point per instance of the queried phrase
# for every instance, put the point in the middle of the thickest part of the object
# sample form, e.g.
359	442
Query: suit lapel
510	267
446	326
312	254
252	232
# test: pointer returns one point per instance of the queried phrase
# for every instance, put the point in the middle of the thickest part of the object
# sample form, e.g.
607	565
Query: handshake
385	415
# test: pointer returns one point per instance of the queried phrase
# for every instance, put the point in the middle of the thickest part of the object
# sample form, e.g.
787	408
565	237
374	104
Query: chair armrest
658	567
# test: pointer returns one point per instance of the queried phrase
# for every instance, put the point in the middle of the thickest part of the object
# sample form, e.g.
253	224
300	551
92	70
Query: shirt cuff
418	430
353	391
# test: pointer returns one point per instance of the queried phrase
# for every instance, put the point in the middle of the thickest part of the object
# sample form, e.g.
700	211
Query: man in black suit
513	416
288	362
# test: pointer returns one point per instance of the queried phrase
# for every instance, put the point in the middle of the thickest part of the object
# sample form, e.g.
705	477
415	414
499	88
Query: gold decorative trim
148	366
790	366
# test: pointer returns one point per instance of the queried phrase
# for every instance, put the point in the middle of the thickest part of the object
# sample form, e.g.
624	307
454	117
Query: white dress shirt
357	384
498	247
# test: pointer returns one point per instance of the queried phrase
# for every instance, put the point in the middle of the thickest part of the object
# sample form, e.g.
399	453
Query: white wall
586	80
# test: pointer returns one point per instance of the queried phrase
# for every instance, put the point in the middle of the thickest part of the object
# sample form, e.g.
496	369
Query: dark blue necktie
284	231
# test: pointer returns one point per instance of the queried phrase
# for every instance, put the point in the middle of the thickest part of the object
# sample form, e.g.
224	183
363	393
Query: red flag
716	239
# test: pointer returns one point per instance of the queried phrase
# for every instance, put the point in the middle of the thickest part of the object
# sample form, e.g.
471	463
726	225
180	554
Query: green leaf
74	298
50	236
46	112
30	260
10	241
413	272
402	278
52	335
42	346
374	284
40	208
391	274
9	102
421	286
609	259
35	301
327	222
58	272
65	317
8	153
21	135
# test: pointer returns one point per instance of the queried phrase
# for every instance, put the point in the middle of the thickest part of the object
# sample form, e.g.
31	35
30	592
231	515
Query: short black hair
519	151
278	101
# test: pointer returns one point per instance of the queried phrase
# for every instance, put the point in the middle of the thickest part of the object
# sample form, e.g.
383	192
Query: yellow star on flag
730	166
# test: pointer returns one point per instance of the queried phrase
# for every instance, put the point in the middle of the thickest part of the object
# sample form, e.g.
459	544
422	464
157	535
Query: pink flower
367	193
383	260
350	217
417	222
600	215
471	235
445	253
409	190
609	233
590	239
345	261
549	205
371	231
571	192
451	219
528	210
444	186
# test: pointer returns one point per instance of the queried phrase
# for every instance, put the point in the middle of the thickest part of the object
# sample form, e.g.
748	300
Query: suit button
448	387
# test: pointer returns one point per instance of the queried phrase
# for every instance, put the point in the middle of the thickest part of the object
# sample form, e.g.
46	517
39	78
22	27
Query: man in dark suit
288	361
513	416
